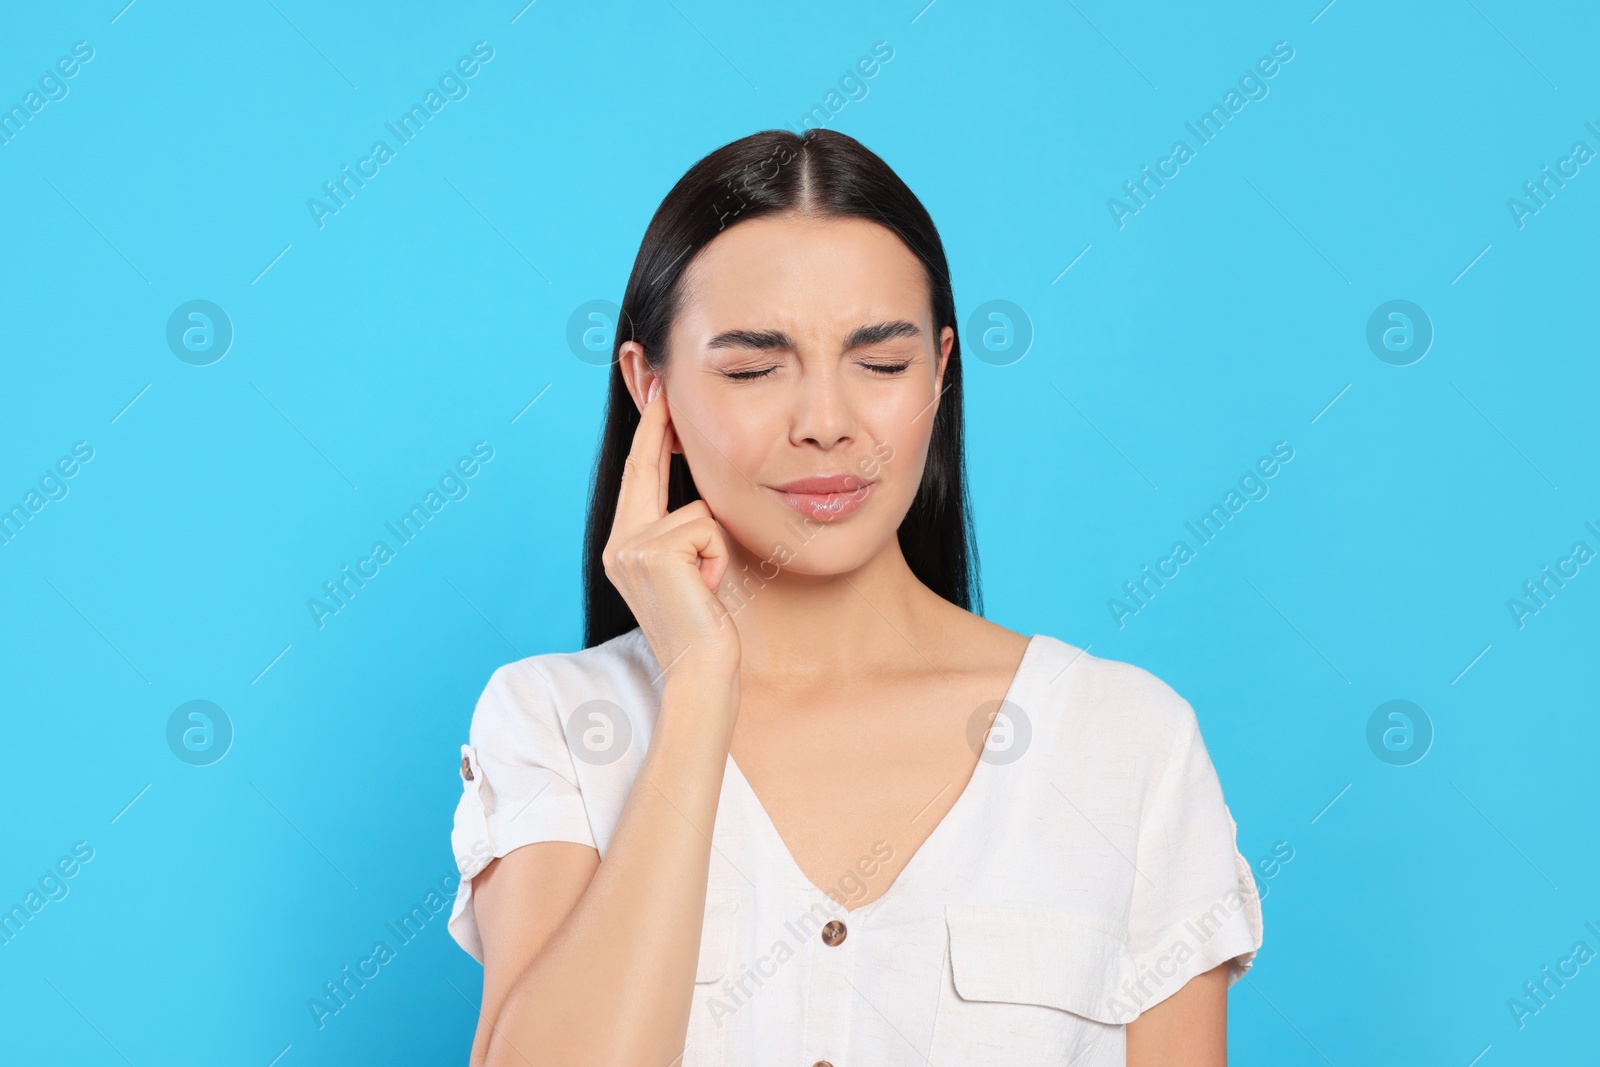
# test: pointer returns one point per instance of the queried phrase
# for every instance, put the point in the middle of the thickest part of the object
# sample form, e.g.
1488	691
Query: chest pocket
711	1009
1030	985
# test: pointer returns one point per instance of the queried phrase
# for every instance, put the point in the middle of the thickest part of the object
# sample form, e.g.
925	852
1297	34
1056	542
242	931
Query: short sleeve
1195	904
518	786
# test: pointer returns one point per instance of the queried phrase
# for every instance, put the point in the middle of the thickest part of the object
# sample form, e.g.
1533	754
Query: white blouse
1086	872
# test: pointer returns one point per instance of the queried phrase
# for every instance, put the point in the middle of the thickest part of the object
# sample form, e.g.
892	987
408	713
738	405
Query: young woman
794	802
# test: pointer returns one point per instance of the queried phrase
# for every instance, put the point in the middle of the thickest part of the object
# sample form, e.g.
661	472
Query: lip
843	482
826	497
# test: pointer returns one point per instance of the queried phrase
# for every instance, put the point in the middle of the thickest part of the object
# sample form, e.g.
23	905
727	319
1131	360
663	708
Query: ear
947	340
636	371
637	375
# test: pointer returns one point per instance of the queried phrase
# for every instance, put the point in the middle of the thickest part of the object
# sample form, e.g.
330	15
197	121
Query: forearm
614	983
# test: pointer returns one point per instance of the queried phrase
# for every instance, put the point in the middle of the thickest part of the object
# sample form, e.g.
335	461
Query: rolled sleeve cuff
1227	931
488	827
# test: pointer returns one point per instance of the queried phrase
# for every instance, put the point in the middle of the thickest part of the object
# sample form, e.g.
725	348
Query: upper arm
1188	1029
1194	908
522	838
521	899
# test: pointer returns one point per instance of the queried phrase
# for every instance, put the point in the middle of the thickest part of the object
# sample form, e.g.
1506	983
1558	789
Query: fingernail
655	387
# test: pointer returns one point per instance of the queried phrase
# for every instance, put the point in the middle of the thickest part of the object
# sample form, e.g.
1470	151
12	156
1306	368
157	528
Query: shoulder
535	686
1121	703
627	653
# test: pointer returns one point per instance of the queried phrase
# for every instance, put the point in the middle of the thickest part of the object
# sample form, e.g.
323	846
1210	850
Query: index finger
642	499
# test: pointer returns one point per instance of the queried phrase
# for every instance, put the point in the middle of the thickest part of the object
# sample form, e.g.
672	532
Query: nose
823	413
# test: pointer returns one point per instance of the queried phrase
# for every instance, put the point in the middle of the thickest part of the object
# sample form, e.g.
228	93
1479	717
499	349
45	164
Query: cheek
898	448
726	448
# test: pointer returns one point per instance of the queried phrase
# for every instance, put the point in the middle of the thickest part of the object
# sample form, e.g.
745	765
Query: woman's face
804	352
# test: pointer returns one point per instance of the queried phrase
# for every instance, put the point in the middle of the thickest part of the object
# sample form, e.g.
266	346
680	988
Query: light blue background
425	316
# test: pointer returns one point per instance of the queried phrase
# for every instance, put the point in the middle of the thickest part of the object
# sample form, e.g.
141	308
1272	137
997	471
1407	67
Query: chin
791	543
828	555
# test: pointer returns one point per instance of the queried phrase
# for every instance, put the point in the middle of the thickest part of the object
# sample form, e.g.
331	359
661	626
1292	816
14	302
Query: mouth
826	498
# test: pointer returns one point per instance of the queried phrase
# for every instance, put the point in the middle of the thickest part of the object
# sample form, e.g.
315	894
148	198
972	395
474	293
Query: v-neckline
770	828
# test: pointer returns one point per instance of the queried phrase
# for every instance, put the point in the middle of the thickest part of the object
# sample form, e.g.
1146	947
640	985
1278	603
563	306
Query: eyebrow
876	333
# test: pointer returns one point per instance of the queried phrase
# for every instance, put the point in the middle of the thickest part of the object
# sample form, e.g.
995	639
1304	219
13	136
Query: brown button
833	933
466	768
822	1063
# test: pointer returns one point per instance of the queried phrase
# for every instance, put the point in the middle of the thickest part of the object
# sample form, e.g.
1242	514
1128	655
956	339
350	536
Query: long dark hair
824	173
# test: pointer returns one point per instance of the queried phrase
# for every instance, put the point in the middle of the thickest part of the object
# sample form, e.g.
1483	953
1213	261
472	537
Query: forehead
803	273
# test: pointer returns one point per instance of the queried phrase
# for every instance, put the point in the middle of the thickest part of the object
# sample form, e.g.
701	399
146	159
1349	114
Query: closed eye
885	369
747	375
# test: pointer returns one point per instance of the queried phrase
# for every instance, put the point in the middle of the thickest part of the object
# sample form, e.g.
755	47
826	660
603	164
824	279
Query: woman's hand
667	566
